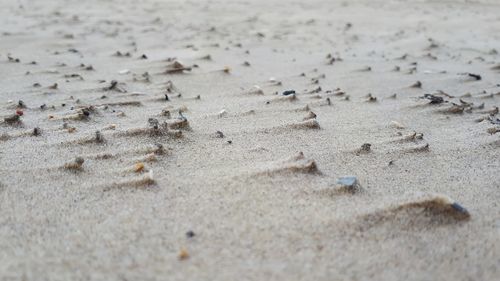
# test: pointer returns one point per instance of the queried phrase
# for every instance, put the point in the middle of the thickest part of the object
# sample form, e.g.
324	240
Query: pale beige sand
258	208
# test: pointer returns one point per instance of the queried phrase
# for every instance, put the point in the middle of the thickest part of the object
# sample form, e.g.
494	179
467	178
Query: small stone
417	84
154	123
433	99
98	136
21	104
222	113
349	183
183	254
366	147
139	167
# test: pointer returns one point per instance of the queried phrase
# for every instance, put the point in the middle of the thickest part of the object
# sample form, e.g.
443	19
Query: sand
242	184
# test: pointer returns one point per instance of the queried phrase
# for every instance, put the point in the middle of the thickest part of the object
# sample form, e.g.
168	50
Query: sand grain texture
193	90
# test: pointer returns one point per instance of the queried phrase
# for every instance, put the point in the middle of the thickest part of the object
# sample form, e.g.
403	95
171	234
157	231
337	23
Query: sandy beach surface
204	140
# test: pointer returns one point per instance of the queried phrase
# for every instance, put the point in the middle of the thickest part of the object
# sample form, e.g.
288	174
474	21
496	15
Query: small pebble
183	254
139	167
349	183
288	92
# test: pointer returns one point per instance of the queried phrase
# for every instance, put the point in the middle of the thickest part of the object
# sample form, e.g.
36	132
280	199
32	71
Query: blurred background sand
256	213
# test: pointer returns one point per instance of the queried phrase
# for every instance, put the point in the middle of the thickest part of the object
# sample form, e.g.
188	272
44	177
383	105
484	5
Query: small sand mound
420	213
286	98
295	164
308	124
255	90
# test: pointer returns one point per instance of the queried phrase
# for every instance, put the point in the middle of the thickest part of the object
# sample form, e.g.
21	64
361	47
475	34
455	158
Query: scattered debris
98	137
115	86
366	147
397	125
433	99
37	131
371	98
417	84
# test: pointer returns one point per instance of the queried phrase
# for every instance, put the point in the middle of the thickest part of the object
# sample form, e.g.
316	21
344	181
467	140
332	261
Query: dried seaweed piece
475	76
